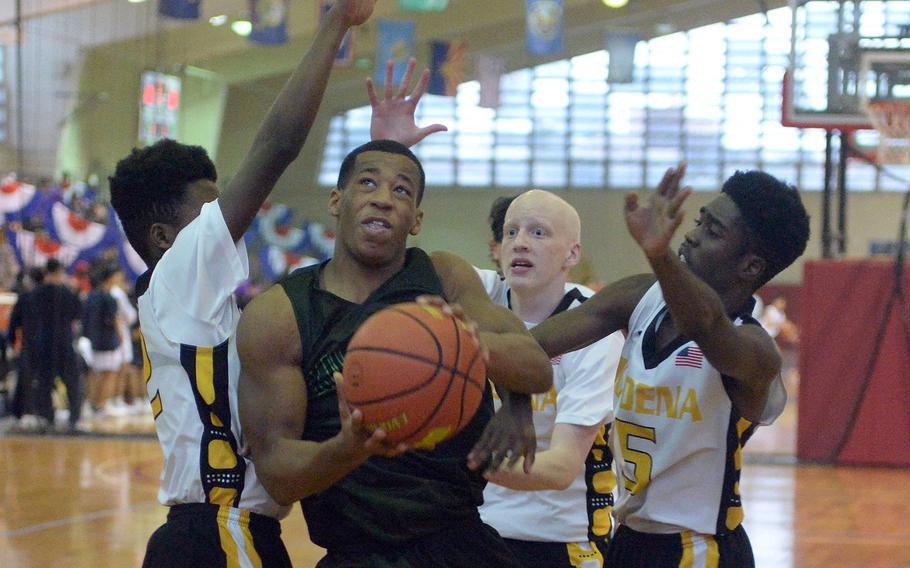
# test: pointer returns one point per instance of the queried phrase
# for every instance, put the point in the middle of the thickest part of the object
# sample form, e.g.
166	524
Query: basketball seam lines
463	376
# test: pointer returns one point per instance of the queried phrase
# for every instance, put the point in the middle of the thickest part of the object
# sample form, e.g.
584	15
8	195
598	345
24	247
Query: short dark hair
775	217
53	265
389	146
36	274
150	184
497	216
102	273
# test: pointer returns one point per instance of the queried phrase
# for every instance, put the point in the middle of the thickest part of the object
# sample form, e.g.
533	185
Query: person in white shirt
558	515
192	239
698	374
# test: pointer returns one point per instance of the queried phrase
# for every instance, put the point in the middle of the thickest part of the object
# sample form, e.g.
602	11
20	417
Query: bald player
558	515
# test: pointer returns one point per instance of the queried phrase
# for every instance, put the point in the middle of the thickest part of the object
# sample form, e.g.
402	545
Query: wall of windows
710	96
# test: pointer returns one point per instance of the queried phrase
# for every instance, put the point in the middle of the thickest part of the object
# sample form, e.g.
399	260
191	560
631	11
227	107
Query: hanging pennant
447	67
396	42
270	20
181	9
544	24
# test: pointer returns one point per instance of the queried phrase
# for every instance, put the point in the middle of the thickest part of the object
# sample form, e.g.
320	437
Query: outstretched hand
393	116
652	226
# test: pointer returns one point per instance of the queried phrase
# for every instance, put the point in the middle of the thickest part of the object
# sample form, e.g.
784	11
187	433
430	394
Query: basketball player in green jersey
366	505
697	372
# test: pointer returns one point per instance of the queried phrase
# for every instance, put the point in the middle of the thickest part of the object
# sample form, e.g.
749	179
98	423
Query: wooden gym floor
90	502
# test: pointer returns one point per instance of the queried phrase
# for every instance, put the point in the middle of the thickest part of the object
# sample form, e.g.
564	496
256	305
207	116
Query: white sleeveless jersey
188	319
677	439
581	395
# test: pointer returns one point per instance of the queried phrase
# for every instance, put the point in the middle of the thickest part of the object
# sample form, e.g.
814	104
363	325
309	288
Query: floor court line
87	517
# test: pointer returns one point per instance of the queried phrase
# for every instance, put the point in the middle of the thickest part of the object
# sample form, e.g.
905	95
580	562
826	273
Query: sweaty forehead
387	162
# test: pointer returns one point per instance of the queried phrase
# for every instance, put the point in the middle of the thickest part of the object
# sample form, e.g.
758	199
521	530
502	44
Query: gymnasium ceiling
490	26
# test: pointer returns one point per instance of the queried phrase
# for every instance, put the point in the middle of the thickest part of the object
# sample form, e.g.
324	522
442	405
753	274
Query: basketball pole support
836	178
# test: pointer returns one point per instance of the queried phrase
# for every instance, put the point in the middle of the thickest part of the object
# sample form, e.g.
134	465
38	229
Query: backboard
843	54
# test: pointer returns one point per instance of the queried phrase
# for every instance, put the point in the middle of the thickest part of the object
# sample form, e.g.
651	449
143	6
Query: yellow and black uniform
220	514
415	510
677	442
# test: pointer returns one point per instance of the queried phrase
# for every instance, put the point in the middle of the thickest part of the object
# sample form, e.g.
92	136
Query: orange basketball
415	372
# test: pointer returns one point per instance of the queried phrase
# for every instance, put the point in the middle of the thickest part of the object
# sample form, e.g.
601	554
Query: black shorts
633	549
556	554
199	534
469	545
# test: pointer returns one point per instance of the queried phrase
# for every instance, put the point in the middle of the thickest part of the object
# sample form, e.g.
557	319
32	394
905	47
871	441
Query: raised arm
273	399
603	313
745	353
393	116
288	121
516	362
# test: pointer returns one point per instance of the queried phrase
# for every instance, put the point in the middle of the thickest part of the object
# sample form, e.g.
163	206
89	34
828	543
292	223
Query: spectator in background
57	310
129	388
9	266
21	336
775	321
100	326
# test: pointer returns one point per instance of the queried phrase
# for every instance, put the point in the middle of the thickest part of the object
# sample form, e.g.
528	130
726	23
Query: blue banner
447	67
396	42
544	24
183	9
270	20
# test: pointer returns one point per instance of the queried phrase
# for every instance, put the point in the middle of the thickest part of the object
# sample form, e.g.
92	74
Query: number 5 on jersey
641	460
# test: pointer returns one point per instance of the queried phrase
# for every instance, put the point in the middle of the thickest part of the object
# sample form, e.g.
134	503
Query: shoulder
267	324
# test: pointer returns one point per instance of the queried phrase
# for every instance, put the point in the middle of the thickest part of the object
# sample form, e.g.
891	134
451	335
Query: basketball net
892	120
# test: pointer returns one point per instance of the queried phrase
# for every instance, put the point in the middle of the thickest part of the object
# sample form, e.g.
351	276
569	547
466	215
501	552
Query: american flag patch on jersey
690	357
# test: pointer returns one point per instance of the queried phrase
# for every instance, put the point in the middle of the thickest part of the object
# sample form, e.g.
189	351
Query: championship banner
423	5
544	24
447	67
621	46
270	21
396	42
489	72
345	55
181	9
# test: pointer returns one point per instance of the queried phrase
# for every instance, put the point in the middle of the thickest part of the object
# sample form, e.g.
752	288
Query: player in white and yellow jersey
558	515
192	239
697	372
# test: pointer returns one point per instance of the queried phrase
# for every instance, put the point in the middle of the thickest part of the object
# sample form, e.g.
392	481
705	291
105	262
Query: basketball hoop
891	118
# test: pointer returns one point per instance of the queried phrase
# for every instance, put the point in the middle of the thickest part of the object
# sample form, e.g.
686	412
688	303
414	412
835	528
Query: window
710	96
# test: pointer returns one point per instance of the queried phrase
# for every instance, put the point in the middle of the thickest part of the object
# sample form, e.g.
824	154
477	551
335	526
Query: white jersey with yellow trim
677	438
188	318
581	395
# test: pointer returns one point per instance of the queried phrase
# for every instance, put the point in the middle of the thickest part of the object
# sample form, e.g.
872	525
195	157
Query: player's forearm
552	470
695	307
294	469
517	362
292	114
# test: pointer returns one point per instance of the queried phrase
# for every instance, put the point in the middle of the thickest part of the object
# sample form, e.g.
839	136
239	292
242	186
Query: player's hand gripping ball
416	372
